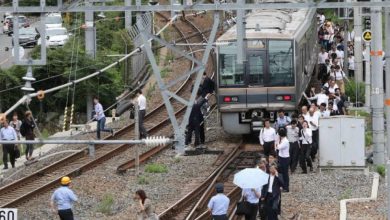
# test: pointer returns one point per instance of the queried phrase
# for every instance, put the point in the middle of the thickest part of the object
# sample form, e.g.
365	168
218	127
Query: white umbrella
250	178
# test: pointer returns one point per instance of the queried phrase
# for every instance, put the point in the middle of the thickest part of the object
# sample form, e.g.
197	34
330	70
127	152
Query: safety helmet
65	180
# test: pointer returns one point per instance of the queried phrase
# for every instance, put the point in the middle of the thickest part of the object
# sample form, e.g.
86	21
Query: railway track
193	205
22	190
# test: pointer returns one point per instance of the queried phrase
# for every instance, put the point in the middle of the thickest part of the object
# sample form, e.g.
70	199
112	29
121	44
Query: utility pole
377	86
357	27
367	81
90	47
387	54
128	14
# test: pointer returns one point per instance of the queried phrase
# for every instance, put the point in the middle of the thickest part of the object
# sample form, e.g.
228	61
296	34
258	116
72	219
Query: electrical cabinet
342	141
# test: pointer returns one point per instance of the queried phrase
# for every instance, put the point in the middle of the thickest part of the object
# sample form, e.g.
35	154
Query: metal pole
128	14
89	32
377	84
387	54
367	82
357	23
388	188
137	136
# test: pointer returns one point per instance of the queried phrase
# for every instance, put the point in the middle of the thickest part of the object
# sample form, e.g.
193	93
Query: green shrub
105	206
156	168
350	91
381	169
368	138
143	180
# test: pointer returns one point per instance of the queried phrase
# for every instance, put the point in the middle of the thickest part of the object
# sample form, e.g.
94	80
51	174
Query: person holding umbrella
271	193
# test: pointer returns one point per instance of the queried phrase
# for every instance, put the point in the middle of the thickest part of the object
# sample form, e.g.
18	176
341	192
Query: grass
143	180
169	57
105	206
381	169
165	71
156	168
346	194
177	160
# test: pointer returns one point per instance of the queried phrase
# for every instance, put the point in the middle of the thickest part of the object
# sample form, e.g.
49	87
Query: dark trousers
262	210
141	118
101	127
65	214
305	157
220	217
29	150
269	148
8	149
202	137
272	214
252	211
294	155
193	127
284	163
315	144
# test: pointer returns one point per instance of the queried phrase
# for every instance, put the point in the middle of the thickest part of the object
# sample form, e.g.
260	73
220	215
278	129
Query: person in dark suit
271	193
195	120
207	85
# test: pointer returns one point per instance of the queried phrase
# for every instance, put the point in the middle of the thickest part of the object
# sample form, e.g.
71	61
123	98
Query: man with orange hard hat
64	198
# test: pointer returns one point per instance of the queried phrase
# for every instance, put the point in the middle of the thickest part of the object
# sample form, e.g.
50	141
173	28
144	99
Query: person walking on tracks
100	118
8	133
293	138
252	196
195	120
306	137
27	131
64	198
141	101
284	158
219	204
267	138
271	193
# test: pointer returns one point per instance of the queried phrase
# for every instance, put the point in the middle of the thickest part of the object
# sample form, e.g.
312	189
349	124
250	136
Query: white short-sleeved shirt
141	101
219	204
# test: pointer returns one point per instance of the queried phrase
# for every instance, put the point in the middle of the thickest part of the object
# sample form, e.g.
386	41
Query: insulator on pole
155	141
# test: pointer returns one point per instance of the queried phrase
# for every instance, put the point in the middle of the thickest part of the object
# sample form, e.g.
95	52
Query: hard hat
65	180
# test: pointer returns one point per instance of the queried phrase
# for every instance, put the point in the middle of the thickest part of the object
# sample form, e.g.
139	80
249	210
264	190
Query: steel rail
188	199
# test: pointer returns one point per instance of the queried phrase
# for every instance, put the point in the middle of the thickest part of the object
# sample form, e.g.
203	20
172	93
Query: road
6	59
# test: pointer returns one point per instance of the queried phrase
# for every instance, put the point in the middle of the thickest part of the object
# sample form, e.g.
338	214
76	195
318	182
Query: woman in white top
306	138
340	76
284	157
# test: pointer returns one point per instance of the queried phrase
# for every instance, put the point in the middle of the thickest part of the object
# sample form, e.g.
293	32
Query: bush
156	168
105	206
381	169
350	91
143	180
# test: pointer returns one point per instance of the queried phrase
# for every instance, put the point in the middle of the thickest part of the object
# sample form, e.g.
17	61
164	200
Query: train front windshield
269	64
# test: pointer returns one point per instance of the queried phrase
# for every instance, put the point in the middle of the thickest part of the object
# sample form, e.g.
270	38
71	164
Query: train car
281	53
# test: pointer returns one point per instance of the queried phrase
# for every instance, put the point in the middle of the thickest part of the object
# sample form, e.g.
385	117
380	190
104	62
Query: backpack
23	130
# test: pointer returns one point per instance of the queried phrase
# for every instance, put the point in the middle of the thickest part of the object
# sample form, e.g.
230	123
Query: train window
280	55
256	44
230	72
256	69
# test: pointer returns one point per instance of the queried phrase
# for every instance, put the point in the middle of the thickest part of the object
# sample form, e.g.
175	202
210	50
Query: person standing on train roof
267	138
219	204
64	198
100	118
282	121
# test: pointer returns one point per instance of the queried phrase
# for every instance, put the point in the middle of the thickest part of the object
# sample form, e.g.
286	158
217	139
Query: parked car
55	37
28	37
8	24
53	20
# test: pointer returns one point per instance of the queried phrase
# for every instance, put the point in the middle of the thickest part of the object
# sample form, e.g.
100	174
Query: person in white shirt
219	204
304	111
141	102
322	56
252	196
320	97
293	138
340	76
8	133
267	138
284	158
306	140
351	66
332	87
313	120
100	117
324	113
